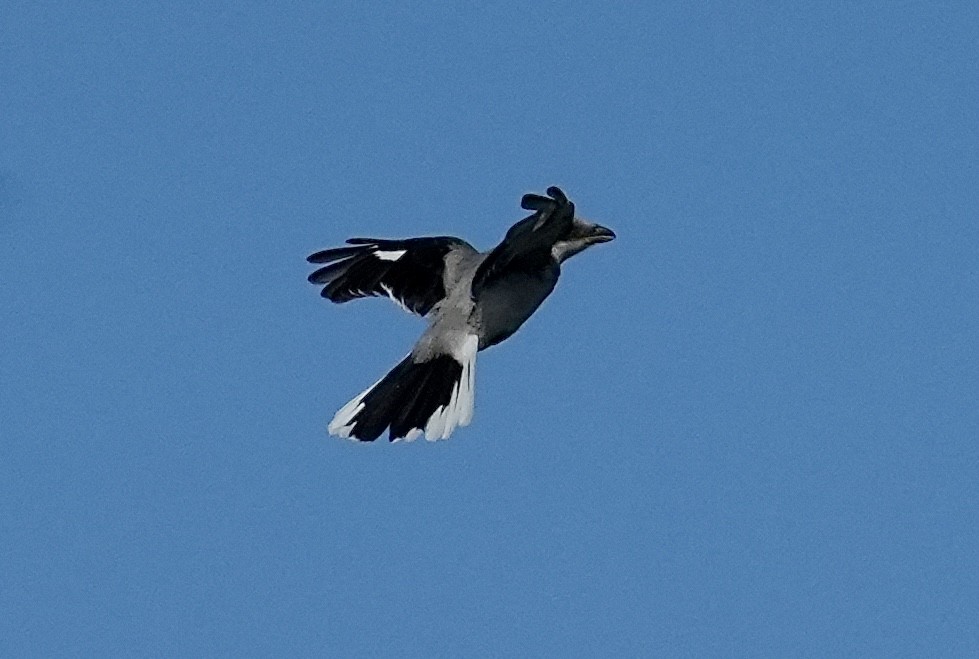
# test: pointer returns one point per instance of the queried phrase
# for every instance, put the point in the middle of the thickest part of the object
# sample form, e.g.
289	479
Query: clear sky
747	427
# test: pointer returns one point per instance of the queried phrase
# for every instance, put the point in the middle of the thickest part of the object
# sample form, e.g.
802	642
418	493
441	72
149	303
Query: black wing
527	245
407	271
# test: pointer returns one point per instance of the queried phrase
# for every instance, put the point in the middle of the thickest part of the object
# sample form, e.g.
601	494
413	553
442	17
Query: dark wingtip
323	275
333	254
557	194
535	202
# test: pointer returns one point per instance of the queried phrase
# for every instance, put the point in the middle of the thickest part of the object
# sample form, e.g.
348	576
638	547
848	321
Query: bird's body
473	300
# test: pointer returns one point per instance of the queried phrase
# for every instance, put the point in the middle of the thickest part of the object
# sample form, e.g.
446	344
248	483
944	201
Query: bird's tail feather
433	397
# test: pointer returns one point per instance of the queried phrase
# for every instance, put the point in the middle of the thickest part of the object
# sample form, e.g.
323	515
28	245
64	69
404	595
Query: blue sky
748	427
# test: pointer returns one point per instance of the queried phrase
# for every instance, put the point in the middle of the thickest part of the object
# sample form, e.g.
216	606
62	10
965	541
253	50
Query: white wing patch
397	300
459	410
392	255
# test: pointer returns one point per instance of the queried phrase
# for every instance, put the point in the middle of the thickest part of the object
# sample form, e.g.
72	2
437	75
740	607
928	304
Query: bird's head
554	217
583	234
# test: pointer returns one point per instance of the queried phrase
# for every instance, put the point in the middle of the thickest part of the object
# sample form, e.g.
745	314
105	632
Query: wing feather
410	271
527	245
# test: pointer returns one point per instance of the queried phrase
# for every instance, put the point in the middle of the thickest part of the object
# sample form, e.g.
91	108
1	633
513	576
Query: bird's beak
600	234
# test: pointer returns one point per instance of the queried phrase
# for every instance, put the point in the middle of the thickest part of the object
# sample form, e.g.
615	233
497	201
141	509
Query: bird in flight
473	300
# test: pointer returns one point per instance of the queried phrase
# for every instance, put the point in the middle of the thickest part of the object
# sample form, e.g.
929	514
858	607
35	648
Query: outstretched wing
527	245
410	272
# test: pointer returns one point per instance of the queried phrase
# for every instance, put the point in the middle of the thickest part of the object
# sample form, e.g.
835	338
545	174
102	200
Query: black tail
432	397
